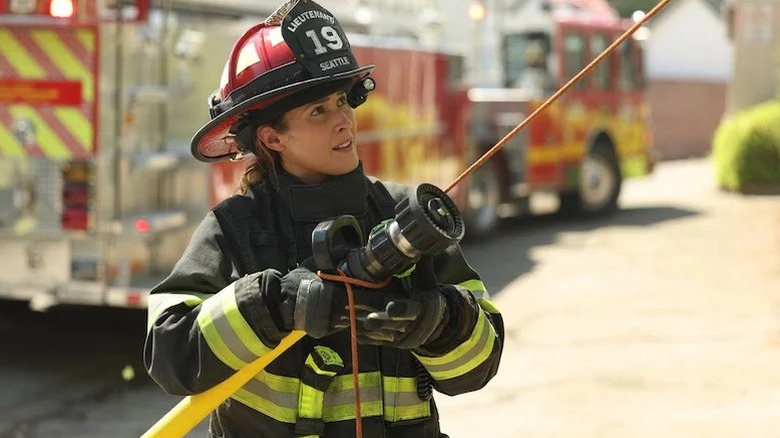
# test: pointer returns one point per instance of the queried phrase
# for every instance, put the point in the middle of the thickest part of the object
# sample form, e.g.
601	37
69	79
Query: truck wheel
599	187
482	201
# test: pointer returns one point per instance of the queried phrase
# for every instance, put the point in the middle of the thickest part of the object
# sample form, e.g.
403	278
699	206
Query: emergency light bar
61	8
53	8
83	10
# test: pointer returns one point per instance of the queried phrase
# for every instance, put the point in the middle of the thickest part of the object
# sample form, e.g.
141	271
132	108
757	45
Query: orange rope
355	371
353	281
348	282
557	94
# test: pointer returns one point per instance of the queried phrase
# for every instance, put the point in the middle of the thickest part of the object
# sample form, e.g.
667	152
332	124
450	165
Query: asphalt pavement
660	320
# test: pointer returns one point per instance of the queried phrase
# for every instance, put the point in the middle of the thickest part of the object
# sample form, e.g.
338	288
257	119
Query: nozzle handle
331	234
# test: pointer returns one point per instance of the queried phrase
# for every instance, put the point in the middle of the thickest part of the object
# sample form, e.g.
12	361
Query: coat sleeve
467	355
204	322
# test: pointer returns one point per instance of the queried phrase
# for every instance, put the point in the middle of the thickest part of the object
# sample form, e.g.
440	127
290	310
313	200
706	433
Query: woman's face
319	140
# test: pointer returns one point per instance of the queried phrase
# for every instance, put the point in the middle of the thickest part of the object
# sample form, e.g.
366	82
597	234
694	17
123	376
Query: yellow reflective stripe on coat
339	399
401	401
277	397
158	303
226	331
466	356
315	380
478	289
272	395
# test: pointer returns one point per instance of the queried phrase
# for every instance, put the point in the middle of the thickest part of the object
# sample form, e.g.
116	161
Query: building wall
688	41
757	43
689	60
685	115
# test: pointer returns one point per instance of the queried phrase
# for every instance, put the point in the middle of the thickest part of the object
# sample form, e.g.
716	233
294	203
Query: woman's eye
317	111
342	100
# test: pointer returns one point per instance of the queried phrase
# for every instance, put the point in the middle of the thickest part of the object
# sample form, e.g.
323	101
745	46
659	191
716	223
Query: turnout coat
209	318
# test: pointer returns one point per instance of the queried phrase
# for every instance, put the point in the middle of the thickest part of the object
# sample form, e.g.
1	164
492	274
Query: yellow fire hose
190	411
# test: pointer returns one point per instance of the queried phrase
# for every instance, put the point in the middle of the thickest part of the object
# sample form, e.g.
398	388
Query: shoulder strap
248	224
232	215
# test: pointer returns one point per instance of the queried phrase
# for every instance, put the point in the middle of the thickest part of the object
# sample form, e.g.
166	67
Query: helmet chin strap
245	137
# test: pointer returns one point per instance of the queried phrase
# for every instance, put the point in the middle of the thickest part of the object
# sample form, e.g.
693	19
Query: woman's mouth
344	146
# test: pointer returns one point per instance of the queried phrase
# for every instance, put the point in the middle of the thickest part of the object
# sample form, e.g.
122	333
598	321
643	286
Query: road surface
660	321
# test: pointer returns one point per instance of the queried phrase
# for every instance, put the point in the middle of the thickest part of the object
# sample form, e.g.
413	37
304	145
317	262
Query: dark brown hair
264	161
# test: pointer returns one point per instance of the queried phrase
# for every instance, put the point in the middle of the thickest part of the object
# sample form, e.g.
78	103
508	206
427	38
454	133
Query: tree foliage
746	149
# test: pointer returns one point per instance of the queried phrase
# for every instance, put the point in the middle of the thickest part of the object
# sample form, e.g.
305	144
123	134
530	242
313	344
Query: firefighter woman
247	278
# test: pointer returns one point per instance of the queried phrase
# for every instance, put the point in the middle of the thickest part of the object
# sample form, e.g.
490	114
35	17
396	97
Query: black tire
482	202
599	187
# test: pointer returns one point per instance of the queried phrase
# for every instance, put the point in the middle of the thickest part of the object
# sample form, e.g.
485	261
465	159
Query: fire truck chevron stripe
18	57
466	356
75	147
77	47
38	54
77	124
87	39
65	60
9	145
6	69
6	119
47	140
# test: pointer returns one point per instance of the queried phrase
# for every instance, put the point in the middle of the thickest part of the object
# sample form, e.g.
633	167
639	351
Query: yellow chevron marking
15	53
87	38
9	145
50	143
67	62
77	124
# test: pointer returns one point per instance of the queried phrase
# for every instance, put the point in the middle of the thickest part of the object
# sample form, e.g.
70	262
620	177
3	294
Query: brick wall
685	115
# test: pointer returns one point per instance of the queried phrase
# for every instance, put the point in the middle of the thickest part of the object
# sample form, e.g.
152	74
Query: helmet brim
214	142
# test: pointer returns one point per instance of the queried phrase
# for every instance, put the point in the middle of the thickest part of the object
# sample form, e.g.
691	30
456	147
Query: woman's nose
344	119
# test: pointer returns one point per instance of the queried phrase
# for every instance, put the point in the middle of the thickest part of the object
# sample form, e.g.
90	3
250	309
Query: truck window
455	69
627	67
602	77
573	57
639	68
517	48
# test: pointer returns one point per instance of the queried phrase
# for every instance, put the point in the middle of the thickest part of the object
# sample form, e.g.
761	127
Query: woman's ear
270	138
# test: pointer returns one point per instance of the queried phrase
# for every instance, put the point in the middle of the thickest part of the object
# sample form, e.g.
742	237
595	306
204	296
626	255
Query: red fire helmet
297	55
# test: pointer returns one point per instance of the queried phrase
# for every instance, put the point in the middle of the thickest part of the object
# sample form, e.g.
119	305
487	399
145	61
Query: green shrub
746	149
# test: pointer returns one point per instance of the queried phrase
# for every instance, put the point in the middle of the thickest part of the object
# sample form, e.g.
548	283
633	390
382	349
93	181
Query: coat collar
313	203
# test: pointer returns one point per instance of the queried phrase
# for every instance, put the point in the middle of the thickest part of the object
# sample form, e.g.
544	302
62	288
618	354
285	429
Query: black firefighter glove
410	321
307	302
406	323
433	320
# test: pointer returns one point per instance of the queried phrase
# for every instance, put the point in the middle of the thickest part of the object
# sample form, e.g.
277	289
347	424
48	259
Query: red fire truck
582	147
99	99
